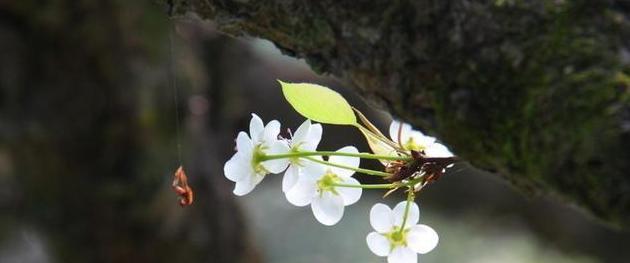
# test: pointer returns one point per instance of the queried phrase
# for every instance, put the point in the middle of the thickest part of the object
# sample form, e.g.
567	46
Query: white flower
414	140
316	186
438	150
306	138
399	246
245	167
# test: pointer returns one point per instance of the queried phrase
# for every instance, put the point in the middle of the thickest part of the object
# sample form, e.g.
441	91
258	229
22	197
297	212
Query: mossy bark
536	91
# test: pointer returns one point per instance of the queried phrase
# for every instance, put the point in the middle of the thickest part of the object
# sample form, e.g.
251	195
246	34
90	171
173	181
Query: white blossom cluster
328	186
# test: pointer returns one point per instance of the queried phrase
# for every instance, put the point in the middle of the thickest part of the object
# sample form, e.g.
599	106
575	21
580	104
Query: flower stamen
327	183
258	156
397	237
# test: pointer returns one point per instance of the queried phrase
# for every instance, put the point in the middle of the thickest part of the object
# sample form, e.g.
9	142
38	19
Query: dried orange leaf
181	187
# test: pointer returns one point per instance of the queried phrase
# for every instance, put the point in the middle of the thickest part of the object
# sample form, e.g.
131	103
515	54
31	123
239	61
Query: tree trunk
536	91
71	78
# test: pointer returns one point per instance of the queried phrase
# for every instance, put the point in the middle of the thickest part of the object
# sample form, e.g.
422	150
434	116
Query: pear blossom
317	186
305	138
415	140
245	168
399	246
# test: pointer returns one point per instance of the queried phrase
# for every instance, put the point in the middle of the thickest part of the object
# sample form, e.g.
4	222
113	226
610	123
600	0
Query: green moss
544	120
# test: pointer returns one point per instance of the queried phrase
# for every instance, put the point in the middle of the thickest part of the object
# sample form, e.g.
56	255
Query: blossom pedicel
411	161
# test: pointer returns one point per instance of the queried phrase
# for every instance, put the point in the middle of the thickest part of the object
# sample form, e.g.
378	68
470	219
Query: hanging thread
180	181
173	80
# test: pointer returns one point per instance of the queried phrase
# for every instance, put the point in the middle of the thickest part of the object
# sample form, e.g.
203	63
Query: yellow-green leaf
318	103
377	146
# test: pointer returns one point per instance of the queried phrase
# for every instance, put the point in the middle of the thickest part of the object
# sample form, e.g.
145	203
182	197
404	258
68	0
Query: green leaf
318	103
377	146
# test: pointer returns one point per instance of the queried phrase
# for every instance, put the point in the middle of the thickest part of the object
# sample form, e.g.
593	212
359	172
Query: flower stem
416	180
331	153
360	170
410	197
366	186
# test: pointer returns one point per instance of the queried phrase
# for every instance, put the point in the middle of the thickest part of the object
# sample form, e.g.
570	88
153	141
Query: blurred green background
88	144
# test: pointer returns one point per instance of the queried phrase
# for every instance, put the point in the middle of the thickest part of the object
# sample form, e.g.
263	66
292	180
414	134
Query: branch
533	90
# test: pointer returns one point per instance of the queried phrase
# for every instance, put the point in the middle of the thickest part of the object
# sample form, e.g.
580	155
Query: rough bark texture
536	91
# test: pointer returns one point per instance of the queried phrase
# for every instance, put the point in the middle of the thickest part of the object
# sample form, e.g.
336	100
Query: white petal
404	134
257	179
277	165
381	218
313	138
350	195
271	131
313	170
277	147
422	140
422	239
256	128
290	177
237	168
438	150
244	143
244	186
378	244
301	133
399	213
345	160
302	193
393	130
327	208
402	255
